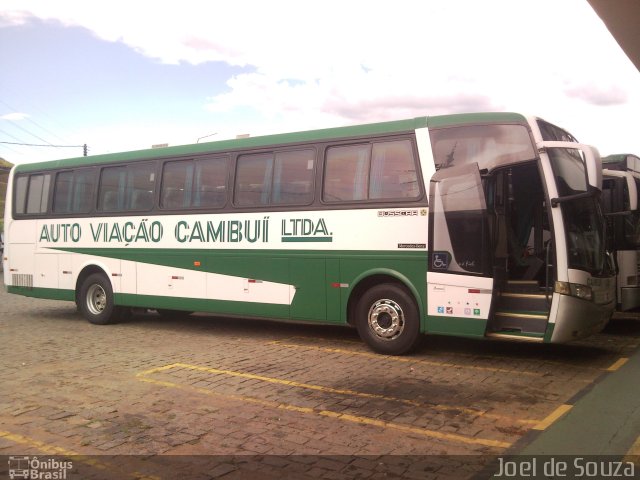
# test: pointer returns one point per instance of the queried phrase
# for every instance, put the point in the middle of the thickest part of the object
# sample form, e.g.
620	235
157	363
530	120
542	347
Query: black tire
95	300
388	319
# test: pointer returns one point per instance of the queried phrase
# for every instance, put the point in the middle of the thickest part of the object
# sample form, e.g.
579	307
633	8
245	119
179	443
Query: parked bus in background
477	225
621	183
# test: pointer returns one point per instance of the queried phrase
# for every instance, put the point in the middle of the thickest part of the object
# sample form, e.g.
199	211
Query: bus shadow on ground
240	325
599	347
573	353
623	326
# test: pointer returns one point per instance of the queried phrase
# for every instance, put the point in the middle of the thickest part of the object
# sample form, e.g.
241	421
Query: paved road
265	397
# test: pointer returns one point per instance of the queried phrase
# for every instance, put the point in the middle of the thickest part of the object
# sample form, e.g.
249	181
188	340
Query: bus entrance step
522	286
514	335
527	302
519	323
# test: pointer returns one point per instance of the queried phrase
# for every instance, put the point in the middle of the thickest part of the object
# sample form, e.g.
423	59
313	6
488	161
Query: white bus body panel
459	295
628	279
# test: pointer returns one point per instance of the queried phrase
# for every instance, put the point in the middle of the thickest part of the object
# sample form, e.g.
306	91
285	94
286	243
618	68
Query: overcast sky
122	75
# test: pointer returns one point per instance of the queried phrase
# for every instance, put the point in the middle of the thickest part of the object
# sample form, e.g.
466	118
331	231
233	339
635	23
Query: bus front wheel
388	320
96	300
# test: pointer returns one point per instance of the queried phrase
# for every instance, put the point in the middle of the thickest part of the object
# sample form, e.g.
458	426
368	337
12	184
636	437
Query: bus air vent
22	280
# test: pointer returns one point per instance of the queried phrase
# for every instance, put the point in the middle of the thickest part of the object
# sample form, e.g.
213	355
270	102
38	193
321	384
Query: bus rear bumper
629	298
578	318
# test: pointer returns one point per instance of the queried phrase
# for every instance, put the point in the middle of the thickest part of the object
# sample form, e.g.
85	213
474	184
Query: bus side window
210	182
177	178
140	186
73	191
111	190
63	189
38	195
253	179
293	177
382	170
393	171
21	194
194	183
128	187
347	173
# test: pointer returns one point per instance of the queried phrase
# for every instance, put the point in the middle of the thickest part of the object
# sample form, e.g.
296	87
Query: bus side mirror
594	166
617	183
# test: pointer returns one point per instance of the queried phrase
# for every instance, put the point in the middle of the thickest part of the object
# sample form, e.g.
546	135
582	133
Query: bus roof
618	157
397	126
622	161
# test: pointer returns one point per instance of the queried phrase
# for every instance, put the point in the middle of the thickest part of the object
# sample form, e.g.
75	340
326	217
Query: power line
84	147
29	133
39	145
9	135
30	120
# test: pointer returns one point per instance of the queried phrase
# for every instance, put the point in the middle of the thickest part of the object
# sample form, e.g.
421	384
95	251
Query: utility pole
84	150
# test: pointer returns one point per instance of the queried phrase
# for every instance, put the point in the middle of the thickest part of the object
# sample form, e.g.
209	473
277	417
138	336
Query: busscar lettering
397	213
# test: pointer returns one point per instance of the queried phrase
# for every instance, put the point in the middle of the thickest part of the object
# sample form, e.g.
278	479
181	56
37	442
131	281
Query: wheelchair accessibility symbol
440	261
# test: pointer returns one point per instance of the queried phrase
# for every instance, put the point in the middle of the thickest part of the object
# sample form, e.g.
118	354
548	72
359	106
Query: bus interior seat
141	199
110	201
211	196
295	192
172	198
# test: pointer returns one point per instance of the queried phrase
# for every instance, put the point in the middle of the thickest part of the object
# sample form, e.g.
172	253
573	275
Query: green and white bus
477	225
620	186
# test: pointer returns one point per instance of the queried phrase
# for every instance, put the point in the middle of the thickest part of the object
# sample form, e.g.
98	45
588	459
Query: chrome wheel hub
96	299
386	319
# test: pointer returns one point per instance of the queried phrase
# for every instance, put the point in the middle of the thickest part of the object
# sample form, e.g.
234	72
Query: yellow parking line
320	388
404	359
555	415
633	455
327	413
617	364
32	442
75	456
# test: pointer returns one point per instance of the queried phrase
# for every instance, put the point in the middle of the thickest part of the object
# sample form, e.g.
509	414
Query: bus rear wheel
388	320
95	300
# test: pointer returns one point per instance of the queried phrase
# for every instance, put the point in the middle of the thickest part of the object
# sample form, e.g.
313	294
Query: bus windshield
585	235
569	171
487	145
582	216
632	222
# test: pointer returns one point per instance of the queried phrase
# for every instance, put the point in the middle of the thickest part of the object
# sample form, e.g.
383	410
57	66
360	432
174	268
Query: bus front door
460	283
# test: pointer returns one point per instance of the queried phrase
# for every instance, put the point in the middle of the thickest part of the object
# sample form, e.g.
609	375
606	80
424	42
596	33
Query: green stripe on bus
216	261
47	293
219	307
307	239
312	273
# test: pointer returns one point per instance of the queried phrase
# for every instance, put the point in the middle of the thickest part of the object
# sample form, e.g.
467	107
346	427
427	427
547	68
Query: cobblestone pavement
266	397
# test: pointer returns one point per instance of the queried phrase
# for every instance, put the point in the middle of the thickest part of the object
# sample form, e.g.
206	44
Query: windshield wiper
556	201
